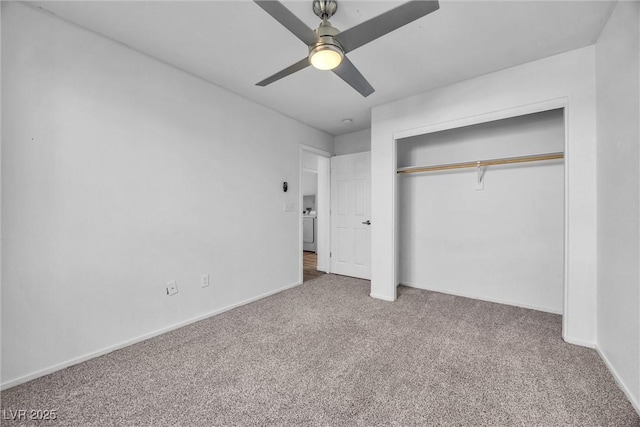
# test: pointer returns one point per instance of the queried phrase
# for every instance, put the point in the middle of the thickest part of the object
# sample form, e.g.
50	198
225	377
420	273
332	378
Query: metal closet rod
482	163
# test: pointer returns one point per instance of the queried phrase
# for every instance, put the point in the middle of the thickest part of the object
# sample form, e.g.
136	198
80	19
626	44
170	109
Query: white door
351	215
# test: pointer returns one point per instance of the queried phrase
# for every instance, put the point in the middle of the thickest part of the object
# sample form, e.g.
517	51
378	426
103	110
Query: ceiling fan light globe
325	57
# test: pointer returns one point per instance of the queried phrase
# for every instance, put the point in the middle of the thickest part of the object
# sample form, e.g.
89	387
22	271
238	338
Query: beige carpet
324	353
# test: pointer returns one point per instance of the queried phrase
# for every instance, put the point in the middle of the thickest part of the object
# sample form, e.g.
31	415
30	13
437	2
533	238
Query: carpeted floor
324	353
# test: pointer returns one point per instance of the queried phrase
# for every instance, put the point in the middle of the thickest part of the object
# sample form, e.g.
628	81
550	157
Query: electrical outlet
204	280
172	288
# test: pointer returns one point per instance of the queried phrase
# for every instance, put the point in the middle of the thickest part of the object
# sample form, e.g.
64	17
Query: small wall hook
285	186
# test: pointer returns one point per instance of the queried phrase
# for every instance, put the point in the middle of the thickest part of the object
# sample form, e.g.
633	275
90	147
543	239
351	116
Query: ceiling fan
328	45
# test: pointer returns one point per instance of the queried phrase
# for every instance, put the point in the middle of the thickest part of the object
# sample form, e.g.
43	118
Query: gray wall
354	142
120	174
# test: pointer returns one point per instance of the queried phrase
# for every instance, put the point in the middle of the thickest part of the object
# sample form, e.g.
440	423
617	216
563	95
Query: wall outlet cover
204	280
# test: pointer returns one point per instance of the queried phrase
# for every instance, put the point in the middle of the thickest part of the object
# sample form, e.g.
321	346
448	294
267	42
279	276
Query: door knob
367	222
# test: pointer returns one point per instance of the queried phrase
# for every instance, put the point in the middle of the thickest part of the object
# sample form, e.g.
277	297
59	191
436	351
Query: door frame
323	241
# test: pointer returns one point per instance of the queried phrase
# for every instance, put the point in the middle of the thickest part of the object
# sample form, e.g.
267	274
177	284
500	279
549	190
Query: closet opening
481	211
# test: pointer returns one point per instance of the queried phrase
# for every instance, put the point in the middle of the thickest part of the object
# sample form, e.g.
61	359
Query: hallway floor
309	266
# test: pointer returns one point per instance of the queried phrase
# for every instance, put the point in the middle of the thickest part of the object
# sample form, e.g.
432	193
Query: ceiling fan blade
290	21
376	27
300	65
350	74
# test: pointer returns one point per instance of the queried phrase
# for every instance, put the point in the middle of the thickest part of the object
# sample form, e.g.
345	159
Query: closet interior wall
499	241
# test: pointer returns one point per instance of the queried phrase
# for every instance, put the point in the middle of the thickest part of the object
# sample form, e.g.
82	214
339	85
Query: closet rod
482	163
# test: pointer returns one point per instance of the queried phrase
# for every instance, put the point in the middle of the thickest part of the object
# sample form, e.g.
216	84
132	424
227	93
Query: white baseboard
382	297
581	343
623	387
481	298
106	350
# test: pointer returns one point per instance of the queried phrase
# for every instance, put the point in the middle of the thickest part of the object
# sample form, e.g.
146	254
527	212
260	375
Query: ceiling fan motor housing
326	41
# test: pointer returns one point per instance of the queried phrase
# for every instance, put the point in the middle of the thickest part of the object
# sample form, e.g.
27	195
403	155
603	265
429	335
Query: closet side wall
618	77
503	243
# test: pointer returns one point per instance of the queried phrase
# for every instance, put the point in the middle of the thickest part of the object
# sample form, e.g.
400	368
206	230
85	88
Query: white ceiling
235	44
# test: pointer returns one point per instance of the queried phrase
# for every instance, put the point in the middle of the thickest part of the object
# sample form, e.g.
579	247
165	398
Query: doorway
314	213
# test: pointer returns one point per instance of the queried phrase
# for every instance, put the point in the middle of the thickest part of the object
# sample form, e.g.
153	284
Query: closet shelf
482	163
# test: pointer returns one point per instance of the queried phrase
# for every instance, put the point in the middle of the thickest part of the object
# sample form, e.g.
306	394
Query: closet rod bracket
481	170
